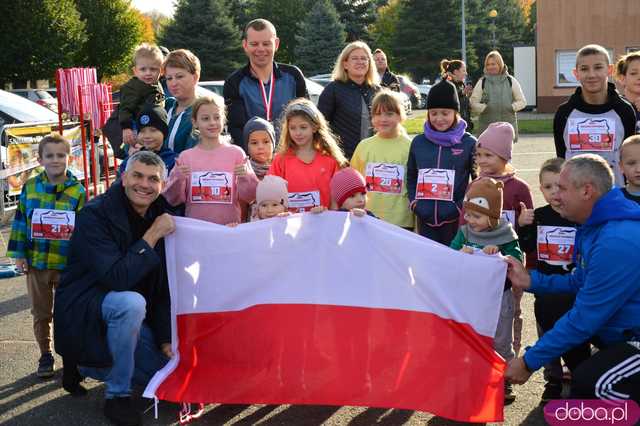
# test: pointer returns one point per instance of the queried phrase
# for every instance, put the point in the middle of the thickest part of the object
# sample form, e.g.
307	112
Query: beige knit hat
272	188
485	196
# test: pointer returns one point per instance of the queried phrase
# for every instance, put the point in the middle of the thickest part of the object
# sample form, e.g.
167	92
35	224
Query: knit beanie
254	124
485	196
345	183
498	138
153	116
272	188
443	95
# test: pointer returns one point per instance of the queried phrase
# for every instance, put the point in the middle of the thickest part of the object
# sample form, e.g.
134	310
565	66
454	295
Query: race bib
435	184
211	187
384	177
555	244
52	224
303	201
592	134
509	216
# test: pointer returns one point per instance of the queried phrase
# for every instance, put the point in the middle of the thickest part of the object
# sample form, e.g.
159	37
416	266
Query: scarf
260	169
446	139
503	234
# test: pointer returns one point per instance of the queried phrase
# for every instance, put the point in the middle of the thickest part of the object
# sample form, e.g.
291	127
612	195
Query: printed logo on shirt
303	201
52	224
456	151
386	178
211	187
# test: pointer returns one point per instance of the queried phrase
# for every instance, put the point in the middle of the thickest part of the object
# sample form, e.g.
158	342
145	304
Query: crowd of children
444	184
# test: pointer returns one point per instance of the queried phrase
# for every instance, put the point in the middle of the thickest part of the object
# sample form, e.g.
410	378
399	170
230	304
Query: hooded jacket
606	282
616	110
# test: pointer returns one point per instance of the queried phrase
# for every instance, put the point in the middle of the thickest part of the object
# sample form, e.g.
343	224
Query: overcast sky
164	6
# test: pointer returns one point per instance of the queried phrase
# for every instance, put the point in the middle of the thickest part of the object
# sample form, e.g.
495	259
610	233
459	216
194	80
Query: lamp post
464	37
493	14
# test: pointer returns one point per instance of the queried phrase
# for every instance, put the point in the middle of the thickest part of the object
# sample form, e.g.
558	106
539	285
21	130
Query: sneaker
552	390
45	365
509	396
122	412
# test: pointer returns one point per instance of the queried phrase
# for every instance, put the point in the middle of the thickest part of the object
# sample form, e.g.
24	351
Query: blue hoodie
606	282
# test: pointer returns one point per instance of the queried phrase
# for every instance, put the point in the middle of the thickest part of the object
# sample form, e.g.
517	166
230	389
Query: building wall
571	24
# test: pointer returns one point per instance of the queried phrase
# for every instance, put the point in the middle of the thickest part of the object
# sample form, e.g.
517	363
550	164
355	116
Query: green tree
206	28
242	11
356	15
425	36
158	22
38	37
383	29
114	29
285	15
321	39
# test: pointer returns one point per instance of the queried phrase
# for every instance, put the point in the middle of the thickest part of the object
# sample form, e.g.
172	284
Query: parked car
424	92
321	79
39	96
409	88
217	86
15	109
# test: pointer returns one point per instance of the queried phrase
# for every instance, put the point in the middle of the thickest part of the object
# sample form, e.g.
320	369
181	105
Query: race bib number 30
303	201
384	177
555	244
52	224
211	187
435	184
591	134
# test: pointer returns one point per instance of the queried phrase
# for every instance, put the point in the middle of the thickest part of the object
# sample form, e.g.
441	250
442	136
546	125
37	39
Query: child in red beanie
349	192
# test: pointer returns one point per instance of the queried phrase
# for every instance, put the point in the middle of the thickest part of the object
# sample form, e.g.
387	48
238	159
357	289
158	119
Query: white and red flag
331	309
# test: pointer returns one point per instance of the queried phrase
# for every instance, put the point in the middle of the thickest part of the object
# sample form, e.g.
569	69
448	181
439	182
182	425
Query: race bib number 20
384	177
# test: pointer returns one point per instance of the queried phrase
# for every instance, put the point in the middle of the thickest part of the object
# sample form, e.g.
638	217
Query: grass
415	126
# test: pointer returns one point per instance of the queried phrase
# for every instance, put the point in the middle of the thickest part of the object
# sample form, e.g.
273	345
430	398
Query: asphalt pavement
28	400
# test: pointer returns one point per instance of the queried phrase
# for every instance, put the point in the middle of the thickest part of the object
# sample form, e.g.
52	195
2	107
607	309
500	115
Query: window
565	63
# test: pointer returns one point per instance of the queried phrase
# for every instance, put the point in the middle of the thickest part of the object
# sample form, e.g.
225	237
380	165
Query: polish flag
331	309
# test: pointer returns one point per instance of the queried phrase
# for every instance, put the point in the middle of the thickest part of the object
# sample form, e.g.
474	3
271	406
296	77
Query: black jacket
341	104
104	257
390	80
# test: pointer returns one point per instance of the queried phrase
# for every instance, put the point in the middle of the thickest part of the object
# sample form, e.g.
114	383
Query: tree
147	34
114	29
285	15
242	11
205	28
158	22
426	35
356	15
321	39
384	28
38	36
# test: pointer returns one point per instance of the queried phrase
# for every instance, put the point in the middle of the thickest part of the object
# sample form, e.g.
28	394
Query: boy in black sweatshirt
548	239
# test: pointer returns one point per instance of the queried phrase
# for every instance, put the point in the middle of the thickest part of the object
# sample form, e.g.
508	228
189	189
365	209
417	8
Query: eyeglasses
359	59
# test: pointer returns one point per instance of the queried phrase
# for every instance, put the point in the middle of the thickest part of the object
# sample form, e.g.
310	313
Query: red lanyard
268	102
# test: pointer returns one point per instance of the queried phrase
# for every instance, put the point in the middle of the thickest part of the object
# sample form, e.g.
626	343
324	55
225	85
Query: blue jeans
136	357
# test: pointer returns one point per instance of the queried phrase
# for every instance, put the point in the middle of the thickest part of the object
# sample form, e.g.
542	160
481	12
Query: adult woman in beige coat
497	96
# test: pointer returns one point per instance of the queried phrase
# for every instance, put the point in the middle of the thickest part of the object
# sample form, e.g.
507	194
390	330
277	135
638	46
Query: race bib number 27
555	244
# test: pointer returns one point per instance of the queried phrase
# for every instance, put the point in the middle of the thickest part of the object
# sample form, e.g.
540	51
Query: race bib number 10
555	244
384	177
435	184
590	134
52	224
211	187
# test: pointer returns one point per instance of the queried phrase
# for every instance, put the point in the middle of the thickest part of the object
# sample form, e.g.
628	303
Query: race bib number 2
384	177
555	244
590	134
211	187
52	224
435	184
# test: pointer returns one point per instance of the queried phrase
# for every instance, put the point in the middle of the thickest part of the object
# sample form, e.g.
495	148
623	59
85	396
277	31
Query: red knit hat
345	183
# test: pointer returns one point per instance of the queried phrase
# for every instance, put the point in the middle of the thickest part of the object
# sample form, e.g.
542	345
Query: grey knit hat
254	124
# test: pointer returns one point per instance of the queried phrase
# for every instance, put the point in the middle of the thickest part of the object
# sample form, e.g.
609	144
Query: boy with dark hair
595	119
